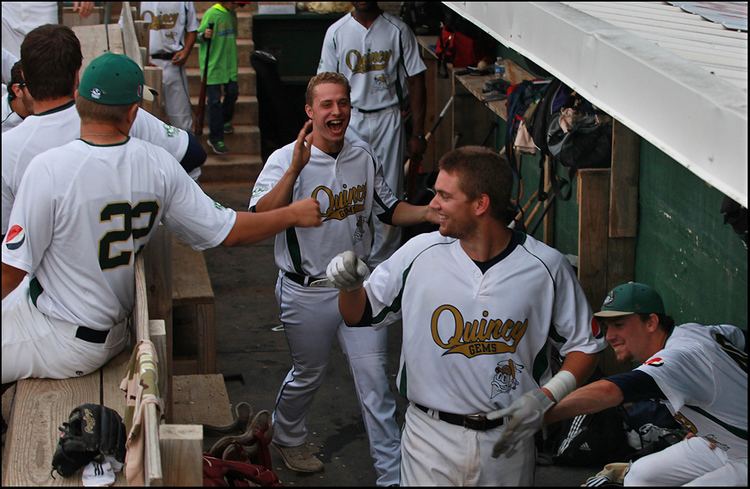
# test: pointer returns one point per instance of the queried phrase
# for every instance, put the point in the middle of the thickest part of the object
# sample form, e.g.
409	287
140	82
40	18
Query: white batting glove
347	272
525	417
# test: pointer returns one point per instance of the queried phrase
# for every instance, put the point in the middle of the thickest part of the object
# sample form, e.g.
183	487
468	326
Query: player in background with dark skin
699	371
18	103
479	303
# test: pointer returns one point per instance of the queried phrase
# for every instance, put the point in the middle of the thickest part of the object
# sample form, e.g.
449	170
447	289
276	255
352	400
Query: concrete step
245	110
245	80
232	167
245	139
244	48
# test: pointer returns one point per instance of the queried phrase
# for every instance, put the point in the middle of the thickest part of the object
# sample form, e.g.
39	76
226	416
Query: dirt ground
254	358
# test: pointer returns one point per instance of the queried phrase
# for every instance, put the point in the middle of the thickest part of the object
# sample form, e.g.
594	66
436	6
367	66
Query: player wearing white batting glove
526	414
347	272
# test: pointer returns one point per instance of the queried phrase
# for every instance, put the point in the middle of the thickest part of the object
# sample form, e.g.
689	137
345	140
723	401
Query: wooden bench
193	320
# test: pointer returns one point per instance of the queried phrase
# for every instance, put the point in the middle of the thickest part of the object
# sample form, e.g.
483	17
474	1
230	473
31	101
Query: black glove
91	432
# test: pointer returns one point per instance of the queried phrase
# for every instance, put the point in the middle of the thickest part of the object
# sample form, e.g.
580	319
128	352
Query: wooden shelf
474	84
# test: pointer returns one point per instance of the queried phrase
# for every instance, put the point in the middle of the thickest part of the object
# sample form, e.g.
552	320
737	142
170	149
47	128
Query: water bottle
499	68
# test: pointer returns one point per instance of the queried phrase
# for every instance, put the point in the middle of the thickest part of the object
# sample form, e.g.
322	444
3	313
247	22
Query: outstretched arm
12	276
251	227
588	399
407	214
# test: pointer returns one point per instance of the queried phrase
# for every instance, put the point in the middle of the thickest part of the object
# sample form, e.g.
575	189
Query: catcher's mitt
91	432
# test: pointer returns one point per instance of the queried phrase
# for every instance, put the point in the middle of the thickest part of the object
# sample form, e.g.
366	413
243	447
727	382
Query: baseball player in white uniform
699	371
56	121
82	213
478	302
20	18
379	56
347	180
172	30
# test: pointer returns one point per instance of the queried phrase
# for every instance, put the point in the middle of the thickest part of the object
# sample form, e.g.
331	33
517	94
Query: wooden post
548	225
181	454
159	339
593	211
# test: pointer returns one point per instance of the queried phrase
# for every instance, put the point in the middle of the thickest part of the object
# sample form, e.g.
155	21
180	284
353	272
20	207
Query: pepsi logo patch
15	237
654	362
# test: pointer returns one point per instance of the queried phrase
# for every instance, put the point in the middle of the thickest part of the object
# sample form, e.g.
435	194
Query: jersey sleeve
192	215
7	205
685	375
191	20
328	59
412	60
384	199
155	131
272	172
573	323
31	221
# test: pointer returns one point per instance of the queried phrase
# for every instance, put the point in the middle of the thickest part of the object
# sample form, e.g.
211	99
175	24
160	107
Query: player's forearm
592	398
189	41
407	214
12	276
251	227
280	195
580	364
352	305
417	98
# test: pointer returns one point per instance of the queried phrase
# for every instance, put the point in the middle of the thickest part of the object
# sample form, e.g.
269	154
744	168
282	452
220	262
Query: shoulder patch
654	362
15	237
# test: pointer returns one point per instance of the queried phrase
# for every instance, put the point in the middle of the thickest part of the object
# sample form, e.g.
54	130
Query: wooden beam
548	225
130	40
623	199
94	43
182	454
593	212
158	332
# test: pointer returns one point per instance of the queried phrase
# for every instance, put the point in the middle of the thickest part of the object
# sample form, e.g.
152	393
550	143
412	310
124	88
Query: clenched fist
347	272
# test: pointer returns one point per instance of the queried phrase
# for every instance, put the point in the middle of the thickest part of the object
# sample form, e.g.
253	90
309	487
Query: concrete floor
243	280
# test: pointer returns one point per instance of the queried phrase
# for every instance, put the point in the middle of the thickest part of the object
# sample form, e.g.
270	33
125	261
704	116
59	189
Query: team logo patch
169	130
260	189
504	380
96	94
608	300
15	237
654	362
217	205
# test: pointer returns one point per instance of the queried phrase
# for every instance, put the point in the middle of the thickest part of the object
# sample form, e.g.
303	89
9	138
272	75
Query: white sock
96	474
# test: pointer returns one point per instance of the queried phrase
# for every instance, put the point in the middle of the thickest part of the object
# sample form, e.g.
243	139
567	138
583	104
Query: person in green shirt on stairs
220	43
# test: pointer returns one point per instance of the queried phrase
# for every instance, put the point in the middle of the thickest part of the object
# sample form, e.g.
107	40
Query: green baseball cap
114	79
631	298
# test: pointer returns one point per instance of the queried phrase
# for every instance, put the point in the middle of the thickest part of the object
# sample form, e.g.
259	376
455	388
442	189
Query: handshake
346	271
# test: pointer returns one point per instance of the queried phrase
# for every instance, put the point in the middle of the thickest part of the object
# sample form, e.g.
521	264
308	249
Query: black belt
366	111
83	333
91	335
164	56
303	280
476	422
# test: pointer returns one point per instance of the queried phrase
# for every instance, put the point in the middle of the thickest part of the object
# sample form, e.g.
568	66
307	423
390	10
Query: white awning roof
676	79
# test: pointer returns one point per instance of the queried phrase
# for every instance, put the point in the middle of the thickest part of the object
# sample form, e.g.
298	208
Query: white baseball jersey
19	18
376	61
82	213
349	188
40	132
10	118
169	23
475	342
706	388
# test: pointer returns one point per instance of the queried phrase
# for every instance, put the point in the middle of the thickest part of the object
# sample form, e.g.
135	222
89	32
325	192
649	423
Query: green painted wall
684	249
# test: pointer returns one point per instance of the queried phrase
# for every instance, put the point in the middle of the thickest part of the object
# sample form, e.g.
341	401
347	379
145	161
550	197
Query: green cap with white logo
114	79
631	298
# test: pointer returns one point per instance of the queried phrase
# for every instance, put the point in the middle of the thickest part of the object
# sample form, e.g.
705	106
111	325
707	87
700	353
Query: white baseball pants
174	90
35	345
690	462
384	132
436	453
311	321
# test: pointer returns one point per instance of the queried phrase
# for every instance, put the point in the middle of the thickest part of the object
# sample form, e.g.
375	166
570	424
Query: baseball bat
522	212
411	170
198	121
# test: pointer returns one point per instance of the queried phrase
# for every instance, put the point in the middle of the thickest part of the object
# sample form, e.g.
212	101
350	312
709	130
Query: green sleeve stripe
739	432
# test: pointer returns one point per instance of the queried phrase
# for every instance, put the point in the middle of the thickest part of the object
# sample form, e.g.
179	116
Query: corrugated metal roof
677	80
710	45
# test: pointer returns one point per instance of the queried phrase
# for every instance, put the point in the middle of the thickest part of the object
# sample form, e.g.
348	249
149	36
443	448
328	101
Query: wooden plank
201	399
153	469
112	373
157	264
190	279
71	18
184	366
623	199
93	40
593	212
129	38
620	261
140	309
182	454
39	408
153	78
204	317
